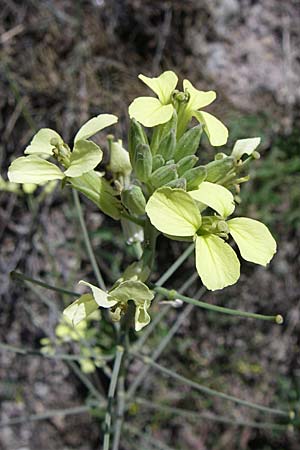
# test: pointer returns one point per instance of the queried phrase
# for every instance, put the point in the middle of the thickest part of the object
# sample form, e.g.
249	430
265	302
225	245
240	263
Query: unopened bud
157	161
194	177
186	164
142	162
136	136
188	143
119	159
216	170
163	175
167	146
133	199
256	155
180	183
54	141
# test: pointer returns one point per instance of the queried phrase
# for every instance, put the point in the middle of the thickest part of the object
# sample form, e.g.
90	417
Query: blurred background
64	61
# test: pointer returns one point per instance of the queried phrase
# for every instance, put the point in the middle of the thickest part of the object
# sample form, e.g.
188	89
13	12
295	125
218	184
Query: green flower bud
216	170
180	183
188	143
163	175
186	163
142	162
161	131
119	163
134	200
157	161
194	177
136	136
167	146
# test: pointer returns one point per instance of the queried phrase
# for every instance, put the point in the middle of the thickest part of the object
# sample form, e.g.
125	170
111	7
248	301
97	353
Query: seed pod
186	164
216	170
142	162
134	200
157	161
136	136
167	146
163	175
194	177
161	132
180	183
188	143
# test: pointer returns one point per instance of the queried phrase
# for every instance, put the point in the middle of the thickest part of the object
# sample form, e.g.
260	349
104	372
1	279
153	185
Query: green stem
209	391
172	294
175	265
195	416
111	394
150	236
59	356
87	241
20	276
120	413
163	344
46	415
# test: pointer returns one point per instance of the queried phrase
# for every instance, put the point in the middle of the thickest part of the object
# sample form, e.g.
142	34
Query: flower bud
142	162
133	199
186	164
161	132
163	175
167	146
119	159
194	177
157	161
216	170
136	136
188	143
180	183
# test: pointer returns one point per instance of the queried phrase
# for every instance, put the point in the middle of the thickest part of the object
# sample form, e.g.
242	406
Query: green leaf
198	99
173	211
245	146
85	156
81	309
216	132
94	125
149	111
163	86
101	297
40	143
33	169
216	197
254	240
216	262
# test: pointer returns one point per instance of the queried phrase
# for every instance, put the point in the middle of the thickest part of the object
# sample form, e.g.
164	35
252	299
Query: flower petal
149	111
94	125
85	156
141	317
33	169
198	99
40	143
217	132
216	262
163	86
216	197
243	146
100	297
254	240
173	211
80	309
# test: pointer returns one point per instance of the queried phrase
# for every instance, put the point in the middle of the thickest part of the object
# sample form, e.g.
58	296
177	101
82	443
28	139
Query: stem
172	294
175	265
120	413
163	344
111	394
87	241
150	236
59	356
46	415
20	276
209	391
195	416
